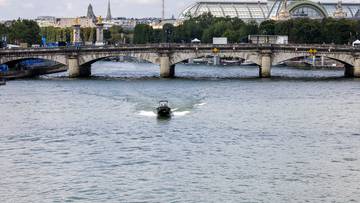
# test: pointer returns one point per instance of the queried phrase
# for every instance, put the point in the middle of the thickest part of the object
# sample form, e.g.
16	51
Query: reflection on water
233	137
148	71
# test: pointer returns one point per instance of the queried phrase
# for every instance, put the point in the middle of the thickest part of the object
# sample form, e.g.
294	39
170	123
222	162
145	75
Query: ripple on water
238	138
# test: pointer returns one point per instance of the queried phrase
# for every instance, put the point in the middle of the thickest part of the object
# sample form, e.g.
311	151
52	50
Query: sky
13	9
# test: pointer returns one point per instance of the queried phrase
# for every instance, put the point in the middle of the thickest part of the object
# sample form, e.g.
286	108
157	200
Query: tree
168	33
306	31
114	35
143	34
4	31
267	27
24	31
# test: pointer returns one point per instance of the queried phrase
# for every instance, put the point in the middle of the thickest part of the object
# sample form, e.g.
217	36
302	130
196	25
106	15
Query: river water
233	138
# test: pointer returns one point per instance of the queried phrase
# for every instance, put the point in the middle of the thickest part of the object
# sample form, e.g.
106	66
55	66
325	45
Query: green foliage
267	27
4	30
306	31
55	34
23	31
115	35
206	26
143	34
167	33
88	34
203	27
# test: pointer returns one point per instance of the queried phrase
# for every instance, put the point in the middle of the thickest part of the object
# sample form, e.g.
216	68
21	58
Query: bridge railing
168	46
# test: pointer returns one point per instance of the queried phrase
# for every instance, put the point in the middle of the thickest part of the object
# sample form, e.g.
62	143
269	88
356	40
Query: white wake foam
153	114
147	113
201	104
181	113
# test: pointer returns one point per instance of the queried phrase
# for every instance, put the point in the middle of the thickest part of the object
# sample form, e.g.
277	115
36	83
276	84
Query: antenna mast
163	10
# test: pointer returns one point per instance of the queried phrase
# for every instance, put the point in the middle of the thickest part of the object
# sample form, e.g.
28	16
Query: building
159	24
86	21
48	21
249	10
261	10
90	20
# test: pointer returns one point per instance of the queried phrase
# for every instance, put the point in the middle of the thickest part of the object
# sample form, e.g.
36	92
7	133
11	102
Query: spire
90	13
108	16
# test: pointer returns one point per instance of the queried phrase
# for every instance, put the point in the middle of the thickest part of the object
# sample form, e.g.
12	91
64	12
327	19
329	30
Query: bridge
79	59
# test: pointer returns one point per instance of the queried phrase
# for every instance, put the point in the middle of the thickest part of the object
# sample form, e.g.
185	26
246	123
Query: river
233	138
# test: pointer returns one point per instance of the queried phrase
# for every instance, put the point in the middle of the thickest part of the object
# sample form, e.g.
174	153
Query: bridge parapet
167	55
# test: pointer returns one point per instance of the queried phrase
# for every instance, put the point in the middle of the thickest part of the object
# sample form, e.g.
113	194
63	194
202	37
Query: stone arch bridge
79	59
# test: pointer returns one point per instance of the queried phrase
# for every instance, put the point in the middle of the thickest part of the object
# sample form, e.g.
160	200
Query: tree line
113	35
21	31
28	31
206	26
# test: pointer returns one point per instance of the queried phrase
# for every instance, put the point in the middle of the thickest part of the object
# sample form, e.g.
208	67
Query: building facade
85	21
274	9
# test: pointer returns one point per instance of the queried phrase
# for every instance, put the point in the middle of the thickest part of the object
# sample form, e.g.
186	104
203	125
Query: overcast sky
12	9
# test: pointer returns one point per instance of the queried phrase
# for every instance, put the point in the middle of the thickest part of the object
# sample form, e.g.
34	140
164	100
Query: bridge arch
346	59
87	60
179	57
56	58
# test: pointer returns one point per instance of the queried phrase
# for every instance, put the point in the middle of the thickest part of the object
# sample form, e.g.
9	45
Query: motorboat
2	82
163	110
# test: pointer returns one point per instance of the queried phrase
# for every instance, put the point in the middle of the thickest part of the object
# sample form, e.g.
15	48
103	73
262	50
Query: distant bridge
79	60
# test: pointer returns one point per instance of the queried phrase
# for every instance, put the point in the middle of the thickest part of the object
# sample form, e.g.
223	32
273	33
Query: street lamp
168	32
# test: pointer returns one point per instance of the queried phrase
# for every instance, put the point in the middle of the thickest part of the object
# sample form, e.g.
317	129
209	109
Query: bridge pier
265	68
166	69
75	70
356	71
217	60
353	71
74	67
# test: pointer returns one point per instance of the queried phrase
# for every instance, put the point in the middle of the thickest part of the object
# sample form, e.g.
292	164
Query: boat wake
176	112
181	113
153	114
201	104
147	113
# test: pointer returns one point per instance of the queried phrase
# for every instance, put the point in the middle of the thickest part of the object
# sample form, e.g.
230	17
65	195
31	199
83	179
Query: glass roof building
270	9
246	10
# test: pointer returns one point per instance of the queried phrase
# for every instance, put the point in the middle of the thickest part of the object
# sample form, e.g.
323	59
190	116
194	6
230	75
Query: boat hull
163	112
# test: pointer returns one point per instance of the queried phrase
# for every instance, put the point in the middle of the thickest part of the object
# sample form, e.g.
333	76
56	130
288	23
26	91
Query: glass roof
244	10
259	10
